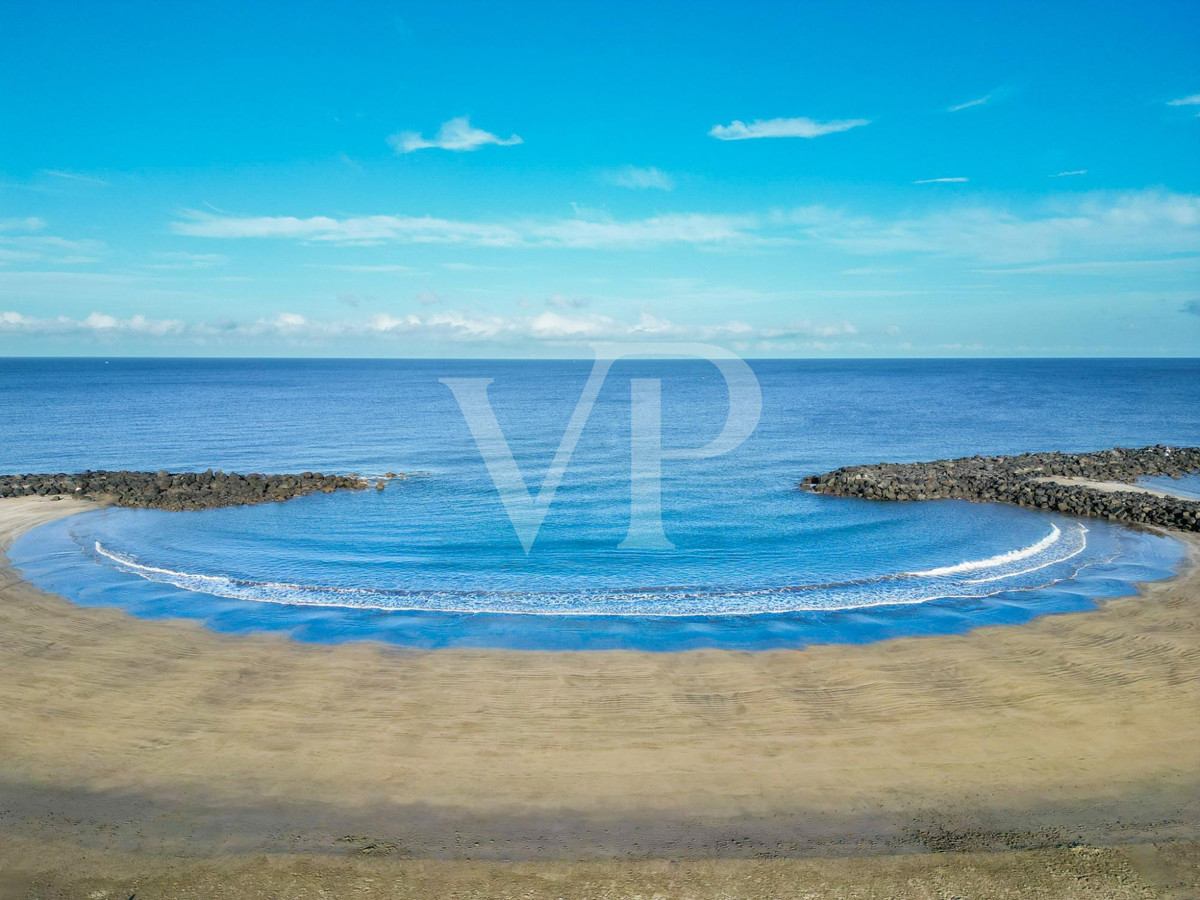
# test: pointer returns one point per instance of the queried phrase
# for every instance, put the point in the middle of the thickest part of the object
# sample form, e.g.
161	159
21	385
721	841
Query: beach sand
1107	487
1060	757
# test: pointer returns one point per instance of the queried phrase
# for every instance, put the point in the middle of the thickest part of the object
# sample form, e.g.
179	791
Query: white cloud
455	326
96	324
977	102
641	178
958	179
456	134
556	326
466	325
384	322
782	128
960	347
1070	173
1193	100
811	329
676	228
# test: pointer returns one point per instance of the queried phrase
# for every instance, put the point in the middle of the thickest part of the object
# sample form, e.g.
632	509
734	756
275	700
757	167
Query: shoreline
162	739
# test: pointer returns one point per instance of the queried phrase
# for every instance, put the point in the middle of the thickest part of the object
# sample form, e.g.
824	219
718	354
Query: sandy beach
592	451
1062	755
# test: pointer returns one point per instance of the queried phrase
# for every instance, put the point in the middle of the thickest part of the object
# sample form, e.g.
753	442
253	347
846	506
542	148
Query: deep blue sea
435	561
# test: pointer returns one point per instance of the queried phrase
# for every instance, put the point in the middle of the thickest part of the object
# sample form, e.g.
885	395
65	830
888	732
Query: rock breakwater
1029	480
177	490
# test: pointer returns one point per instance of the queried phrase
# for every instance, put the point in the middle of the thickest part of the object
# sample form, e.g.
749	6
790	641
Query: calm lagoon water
434	561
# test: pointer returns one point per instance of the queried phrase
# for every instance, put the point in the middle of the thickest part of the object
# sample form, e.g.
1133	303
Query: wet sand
164	749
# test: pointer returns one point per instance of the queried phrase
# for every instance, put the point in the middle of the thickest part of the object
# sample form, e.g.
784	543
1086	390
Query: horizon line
664	358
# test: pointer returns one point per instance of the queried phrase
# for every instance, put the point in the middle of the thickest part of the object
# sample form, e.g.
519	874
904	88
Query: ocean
435	560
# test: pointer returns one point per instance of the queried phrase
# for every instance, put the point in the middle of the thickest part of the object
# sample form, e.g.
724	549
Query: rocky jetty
1039	480
177	490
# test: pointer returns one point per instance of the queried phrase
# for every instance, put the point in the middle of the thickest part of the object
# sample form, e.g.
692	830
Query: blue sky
469	179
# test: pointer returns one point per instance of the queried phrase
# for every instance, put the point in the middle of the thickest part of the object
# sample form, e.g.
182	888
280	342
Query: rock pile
177	490
1028	480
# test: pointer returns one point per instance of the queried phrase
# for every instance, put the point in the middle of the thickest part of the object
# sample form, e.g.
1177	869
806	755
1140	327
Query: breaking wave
993	562
1040	564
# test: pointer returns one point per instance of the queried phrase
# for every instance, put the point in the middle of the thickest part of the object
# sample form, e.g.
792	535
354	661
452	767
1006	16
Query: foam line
902	589
993	562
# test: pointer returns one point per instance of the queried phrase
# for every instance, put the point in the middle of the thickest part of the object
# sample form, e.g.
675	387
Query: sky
450	179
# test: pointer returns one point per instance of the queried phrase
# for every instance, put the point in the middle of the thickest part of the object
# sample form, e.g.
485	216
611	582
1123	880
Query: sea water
434	560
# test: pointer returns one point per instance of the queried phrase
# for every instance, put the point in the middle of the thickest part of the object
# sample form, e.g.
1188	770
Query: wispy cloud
184	260
641	178
1068	228
1069	174
1100	266
872	270
980	101
958	179
22	241
384	268
456	134
1065	228
782	128
590	233
30	223
75	176
1192	100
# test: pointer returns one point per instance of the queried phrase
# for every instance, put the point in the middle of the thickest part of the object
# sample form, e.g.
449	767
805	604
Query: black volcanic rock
179	490
1025	481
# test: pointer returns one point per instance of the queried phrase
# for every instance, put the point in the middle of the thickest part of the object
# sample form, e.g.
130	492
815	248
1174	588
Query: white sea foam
1000	573
993	562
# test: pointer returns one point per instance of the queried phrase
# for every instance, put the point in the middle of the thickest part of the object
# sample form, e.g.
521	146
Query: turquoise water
435	561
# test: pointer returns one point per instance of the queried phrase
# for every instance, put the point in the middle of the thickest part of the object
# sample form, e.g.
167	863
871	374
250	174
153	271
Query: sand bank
136	737
1108	487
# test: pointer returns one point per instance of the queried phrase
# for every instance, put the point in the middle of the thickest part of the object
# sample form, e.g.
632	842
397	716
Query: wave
899	589
993	561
